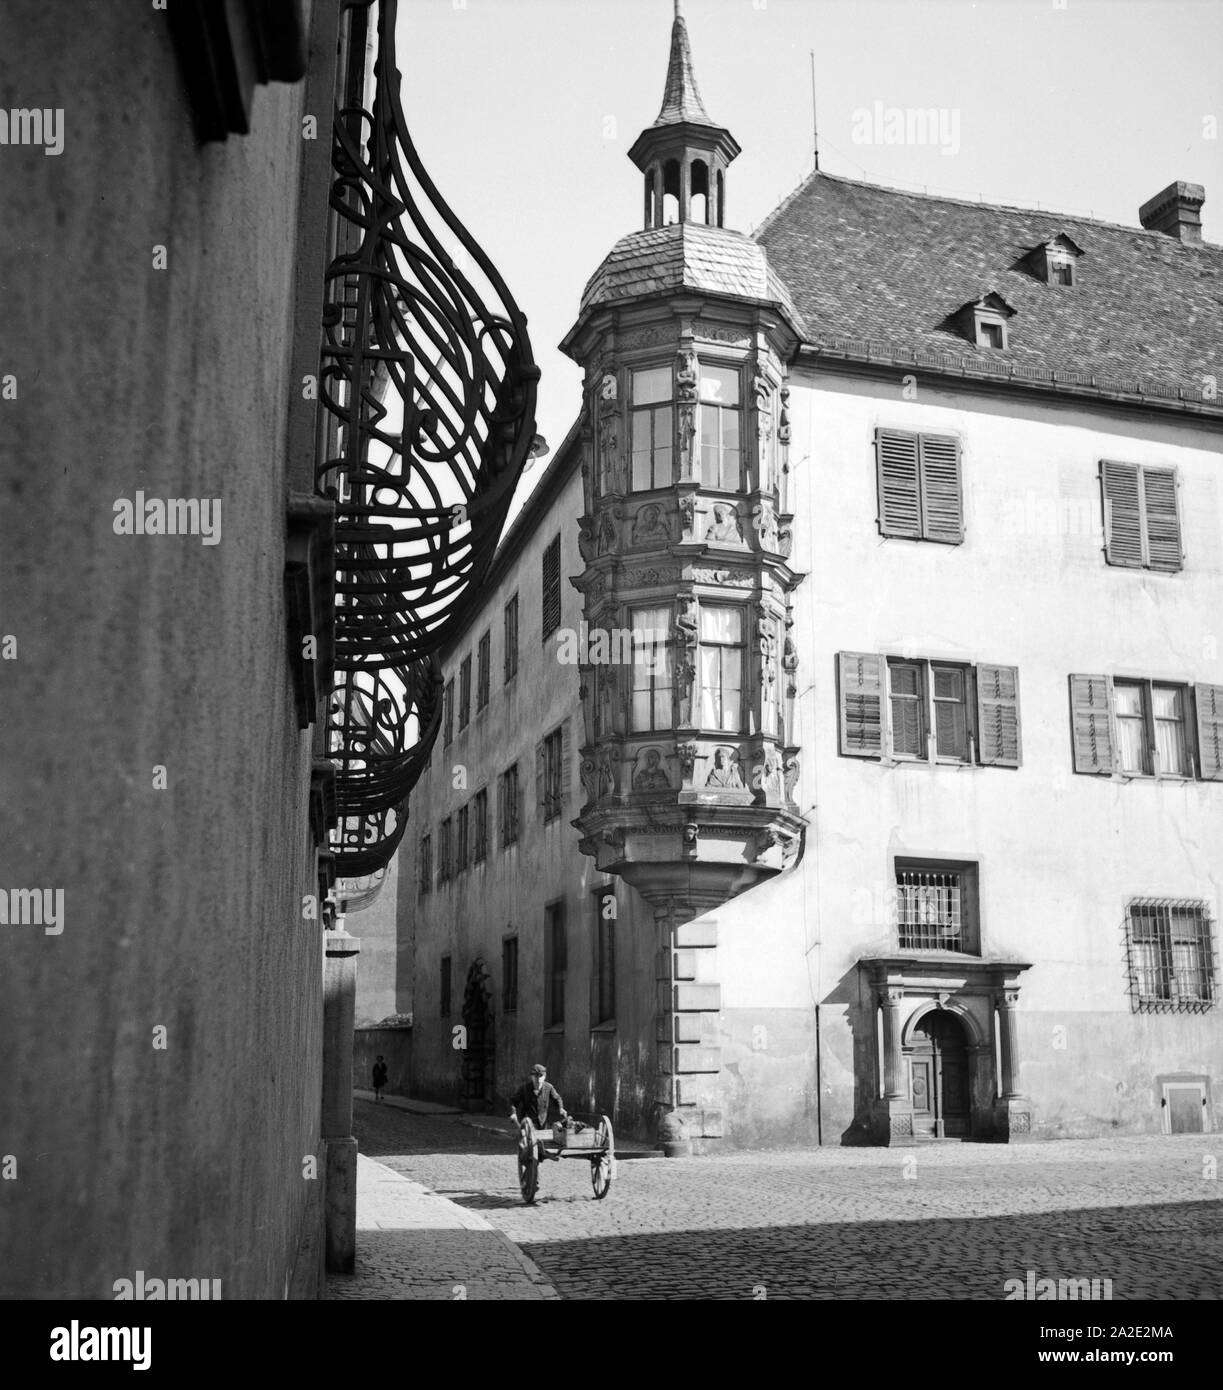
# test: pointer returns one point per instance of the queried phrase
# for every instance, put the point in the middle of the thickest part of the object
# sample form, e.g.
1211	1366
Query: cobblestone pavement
414	1244
942	1221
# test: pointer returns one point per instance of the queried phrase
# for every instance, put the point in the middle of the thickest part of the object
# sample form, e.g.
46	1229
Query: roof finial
681	98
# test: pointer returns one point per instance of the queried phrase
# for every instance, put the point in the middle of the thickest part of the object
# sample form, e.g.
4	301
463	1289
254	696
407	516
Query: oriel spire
681	98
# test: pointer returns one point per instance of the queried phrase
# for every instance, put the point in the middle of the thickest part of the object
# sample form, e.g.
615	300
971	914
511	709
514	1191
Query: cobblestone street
947	1221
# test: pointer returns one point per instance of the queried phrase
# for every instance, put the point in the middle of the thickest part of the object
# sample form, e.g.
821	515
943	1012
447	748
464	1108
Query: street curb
529	1268
473	1221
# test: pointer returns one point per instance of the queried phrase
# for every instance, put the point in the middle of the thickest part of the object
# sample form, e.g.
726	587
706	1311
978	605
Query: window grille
1171	956
930	910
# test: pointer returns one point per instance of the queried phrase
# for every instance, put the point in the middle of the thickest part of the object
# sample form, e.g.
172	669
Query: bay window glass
651	426
721	451
652	668
721	668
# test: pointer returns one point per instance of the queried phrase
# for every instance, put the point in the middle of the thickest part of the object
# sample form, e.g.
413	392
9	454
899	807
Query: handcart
595	1143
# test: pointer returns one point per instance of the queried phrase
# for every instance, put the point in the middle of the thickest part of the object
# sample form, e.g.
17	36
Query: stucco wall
607	1069
1060	854
182	905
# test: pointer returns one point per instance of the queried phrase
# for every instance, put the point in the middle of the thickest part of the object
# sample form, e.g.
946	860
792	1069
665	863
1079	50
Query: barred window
1171	957
448	713
936	906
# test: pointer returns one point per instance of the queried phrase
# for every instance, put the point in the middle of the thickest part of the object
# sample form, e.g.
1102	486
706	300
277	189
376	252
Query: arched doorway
477	1084
938	1076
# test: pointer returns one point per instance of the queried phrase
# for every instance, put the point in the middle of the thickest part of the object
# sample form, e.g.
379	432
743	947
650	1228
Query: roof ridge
975	203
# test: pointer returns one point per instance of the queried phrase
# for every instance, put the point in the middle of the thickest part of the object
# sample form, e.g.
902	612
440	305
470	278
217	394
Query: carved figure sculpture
652	777
725	524
725	770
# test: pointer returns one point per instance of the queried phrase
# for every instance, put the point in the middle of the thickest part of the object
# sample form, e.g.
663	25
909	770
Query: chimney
1176	212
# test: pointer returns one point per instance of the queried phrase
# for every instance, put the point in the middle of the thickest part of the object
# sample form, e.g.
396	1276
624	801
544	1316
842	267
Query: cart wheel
528	1163
603	1167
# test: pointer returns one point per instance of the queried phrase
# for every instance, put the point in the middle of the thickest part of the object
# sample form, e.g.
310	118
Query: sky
523	112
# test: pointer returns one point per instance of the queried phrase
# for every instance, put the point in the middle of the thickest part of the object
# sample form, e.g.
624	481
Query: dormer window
1053	261
984	321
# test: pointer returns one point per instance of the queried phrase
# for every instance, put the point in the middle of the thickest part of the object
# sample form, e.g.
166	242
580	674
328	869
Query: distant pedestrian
379	1076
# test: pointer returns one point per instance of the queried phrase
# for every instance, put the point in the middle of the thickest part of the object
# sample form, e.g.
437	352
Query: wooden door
938	1077
1186	1109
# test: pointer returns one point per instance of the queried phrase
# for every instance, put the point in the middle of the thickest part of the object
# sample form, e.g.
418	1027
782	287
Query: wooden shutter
899	500
998	739
541	779
501	787
1122	513
1163	526
1208	700
1091	723
551	571
941	501
566	763
861	696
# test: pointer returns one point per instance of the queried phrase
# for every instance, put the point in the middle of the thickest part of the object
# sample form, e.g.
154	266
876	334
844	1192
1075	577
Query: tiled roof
889	267
681	98
686	255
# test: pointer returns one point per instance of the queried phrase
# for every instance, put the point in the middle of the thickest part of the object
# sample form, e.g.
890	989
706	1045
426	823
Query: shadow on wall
395	1045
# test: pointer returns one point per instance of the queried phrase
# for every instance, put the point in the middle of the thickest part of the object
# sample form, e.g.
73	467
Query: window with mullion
722	661
721	445
1152	732
651	426
652	669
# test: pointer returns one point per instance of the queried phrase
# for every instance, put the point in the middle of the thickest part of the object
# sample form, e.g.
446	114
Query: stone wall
143	660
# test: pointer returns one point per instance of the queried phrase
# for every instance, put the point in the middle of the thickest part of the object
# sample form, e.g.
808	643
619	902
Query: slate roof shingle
866	262
686	255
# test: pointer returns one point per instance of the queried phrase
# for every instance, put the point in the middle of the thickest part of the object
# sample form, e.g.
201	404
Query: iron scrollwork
429	388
